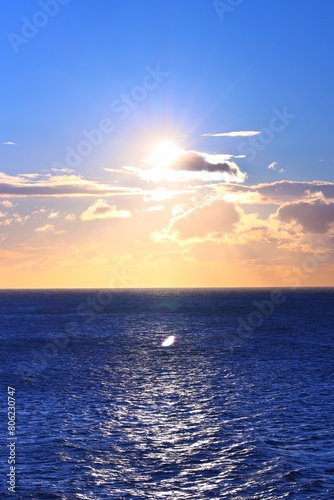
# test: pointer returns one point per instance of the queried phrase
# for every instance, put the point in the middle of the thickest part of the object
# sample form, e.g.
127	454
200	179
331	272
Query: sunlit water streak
118	415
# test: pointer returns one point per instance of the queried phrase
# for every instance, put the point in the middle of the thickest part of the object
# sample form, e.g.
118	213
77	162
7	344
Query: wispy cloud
274	193
102	210
283	191
155	208
273	166
120	171
239	133
63	170
53	215
6	255
24	185
42	229
9	143
71	217
49	228
14	218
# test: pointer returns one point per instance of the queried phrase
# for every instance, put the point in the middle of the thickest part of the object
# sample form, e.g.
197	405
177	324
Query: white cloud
273	166
14	218
53	215
240	133
9	143
102	210
6	222
49	228
70	217
7	204
155	208
41	210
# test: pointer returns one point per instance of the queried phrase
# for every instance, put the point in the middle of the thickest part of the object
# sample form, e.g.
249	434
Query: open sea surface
104	411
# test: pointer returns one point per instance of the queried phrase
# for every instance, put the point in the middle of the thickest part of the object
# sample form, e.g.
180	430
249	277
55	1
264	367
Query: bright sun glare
164	154
168	341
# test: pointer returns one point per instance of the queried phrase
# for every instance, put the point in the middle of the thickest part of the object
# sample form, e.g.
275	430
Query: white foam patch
168	341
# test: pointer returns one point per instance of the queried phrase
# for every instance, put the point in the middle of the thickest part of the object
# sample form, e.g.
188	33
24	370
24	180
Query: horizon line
171	288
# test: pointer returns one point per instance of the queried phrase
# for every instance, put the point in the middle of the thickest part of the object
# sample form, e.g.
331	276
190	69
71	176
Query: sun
165	153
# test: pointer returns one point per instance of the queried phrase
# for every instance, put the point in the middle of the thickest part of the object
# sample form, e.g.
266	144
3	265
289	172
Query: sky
166	143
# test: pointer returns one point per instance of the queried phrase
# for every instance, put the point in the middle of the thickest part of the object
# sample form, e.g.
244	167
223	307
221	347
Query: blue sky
227	67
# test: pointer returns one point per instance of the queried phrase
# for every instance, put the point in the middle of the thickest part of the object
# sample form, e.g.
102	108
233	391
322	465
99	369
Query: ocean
238	404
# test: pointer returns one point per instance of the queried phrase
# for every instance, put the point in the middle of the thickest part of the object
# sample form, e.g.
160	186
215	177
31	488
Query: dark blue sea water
104	411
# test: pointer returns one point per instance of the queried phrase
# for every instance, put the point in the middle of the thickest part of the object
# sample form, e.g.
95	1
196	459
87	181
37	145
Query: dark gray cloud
194	161
216	218
315	216
283	191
